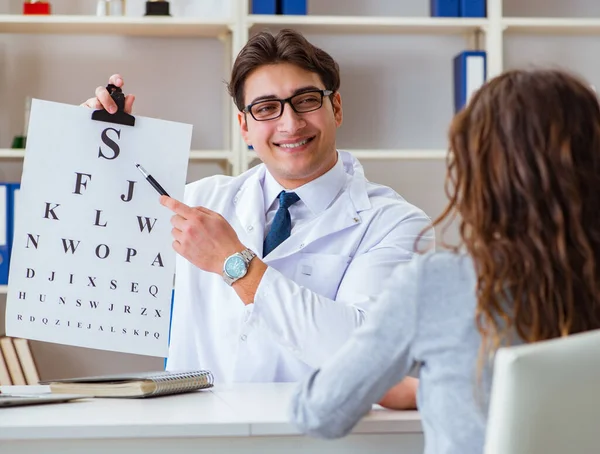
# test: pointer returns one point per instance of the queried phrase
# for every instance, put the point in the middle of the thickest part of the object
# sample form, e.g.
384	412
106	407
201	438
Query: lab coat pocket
321	273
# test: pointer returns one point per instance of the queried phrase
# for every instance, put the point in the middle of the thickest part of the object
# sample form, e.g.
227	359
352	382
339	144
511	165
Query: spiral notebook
143	384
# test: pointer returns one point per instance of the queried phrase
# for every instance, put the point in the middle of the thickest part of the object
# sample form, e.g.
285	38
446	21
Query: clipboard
120	116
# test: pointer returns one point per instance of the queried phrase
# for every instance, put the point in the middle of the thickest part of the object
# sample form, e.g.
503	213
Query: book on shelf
27	362
286	7
472	8
444	8
12	361
17	366
141	384
4	374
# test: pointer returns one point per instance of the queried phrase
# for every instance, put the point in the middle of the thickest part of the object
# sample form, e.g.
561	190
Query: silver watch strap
248	255
228	280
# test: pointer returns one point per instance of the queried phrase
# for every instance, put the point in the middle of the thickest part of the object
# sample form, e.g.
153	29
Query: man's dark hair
288	46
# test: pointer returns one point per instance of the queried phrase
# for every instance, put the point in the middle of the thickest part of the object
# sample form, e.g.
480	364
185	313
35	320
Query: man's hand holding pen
201	236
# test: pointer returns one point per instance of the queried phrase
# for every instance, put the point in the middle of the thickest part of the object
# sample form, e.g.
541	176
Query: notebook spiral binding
180	382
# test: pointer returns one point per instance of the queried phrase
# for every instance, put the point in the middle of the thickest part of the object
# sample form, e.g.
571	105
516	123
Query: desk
242	418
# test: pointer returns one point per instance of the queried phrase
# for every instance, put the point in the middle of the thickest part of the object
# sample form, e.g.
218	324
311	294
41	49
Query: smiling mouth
291	146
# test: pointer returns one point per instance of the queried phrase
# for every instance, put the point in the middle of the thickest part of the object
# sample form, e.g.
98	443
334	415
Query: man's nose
290	121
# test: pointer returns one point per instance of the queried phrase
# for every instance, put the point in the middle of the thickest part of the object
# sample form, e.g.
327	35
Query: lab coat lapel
250	212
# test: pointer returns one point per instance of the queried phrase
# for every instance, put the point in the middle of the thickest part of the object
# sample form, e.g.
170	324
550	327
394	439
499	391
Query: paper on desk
92	261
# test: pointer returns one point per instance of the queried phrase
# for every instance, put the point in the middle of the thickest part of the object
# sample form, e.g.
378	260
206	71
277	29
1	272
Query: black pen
152	181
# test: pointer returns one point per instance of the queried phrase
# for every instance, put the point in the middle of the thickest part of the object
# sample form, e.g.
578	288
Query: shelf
398	154
195	155
369	25
8	153
370	155
210	155
93	25
551	25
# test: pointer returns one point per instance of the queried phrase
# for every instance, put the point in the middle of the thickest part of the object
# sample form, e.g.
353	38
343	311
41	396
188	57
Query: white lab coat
318	288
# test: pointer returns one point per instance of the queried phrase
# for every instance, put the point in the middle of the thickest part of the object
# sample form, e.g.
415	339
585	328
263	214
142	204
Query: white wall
397	93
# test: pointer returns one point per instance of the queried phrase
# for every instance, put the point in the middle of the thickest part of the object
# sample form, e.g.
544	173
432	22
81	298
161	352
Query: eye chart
92	263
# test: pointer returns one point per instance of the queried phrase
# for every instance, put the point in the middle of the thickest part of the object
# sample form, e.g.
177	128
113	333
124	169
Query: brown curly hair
524	178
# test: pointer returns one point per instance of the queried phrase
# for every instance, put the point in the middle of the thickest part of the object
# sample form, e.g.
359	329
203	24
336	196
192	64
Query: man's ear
336	101
242	120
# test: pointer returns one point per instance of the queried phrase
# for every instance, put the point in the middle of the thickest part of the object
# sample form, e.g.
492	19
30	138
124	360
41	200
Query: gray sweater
425	317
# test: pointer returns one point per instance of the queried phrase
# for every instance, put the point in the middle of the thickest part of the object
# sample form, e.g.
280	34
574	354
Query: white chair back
546	398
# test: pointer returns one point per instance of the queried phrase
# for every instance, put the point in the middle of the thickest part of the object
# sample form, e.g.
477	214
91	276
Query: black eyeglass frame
324	93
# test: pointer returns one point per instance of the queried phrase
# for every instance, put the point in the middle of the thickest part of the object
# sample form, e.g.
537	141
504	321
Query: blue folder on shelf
470	72
170	322
13	203
444	8
5	223
264	6
297	7
472	8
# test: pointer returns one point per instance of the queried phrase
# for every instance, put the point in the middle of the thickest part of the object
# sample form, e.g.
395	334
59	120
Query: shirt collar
317	194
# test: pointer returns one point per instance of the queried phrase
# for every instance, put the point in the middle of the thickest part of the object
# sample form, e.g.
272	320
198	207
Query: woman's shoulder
444	260
446	268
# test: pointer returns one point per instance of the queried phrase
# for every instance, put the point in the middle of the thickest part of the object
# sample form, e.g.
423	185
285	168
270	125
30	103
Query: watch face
235	267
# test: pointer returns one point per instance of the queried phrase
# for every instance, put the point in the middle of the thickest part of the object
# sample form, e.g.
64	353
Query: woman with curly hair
523	179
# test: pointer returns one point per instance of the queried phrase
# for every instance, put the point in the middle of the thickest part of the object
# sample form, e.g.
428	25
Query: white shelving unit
486	33
195	155
370	25
127	26
235	32
11	153
551	25
388	154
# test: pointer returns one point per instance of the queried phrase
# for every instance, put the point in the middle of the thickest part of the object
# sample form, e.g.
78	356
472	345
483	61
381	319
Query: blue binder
444	8
13	194
472	8
5	222
297	7
264	6
170	321
470	72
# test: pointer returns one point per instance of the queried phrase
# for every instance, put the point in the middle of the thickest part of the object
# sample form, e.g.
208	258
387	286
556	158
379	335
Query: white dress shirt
315	196
319	285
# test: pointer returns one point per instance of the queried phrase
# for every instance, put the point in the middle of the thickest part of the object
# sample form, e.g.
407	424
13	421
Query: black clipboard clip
120	116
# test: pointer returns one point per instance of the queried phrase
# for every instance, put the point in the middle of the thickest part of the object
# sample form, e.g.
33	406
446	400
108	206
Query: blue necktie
282	223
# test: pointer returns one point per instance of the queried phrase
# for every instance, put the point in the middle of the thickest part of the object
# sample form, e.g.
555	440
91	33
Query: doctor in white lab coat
293	308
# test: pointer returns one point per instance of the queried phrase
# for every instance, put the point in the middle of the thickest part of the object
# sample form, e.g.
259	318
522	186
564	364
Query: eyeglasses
271	109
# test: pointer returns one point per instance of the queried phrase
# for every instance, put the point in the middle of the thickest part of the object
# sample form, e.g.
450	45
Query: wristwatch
236	265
